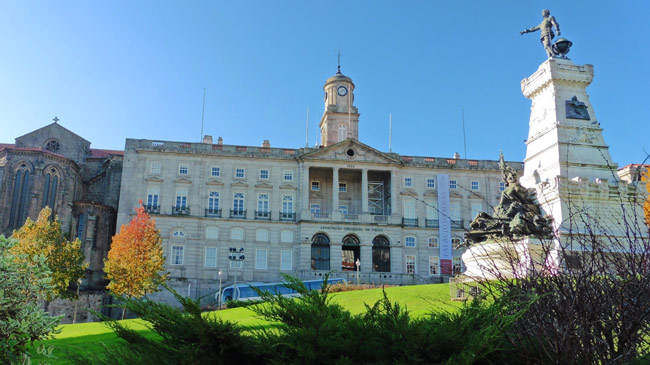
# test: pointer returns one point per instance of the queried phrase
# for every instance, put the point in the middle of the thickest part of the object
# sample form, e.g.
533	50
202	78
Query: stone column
393	192
364	191
304	192
335	190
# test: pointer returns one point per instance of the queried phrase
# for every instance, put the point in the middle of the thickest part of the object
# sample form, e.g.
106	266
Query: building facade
305	211
54	167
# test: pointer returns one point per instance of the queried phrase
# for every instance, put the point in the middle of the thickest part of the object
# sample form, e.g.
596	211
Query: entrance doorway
350	252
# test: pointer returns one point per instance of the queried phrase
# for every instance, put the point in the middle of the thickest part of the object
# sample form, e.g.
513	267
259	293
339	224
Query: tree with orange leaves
135	261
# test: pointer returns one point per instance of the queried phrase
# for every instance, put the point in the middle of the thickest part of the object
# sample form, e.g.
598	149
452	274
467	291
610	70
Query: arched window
350	252
343	133
49	189
178	233
380	254
320	252
19	202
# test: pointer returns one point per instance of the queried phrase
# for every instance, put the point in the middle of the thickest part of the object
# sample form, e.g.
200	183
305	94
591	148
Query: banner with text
444	224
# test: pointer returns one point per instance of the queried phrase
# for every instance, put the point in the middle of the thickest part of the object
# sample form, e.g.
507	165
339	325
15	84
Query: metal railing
457	223
287	216
213	213
410	222
238	214
152	209
380	218
263	215
431	223
180	210
320	215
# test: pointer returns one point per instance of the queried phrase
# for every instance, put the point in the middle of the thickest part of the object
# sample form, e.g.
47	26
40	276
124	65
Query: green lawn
88	337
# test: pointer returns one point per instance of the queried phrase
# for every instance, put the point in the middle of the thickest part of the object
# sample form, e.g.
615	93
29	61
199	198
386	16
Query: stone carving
517	214
547	35
576	109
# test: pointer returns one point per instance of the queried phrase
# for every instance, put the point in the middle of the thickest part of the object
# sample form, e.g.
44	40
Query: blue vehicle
245	291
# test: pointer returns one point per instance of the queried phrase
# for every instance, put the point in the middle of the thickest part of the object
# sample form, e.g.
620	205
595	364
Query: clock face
342	90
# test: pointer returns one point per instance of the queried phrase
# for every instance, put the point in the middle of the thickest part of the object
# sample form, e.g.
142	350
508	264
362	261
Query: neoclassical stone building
54	167
306	211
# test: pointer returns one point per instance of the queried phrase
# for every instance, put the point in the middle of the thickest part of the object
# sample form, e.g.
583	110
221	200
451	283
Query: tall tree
135	261
646	204
63	257
23	280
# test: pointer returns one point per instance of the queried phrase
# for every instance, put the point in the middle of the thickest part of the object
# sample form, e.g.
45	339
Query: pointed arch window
19	202
49	189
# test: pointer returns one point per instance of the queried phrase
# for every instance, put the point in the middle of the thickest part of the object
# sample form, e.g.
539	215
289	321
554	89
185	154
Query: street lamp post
220	273
237	256
358	263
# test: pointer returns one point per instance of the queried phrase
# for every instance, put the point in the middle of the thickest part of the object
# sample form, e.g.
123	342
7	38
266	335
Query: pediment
214	182
182	180
264	185
409	192
288	186
239	184
453	194
430	193
157	179
360	153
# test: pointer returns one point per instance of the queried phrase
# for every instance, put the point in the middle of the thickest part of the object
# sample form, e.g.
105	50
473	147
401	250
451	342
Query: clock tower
340	120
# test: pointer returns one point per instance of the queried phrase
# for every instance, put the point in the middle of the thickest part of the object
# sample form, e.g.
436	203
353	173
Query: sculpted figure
516	215
546	28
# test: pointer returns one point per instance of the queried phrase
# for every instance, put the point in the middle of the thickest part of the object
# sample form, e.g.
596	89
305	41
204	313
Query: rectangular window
343	209
155	167
210	257
263	203
454	211
409	241
433	265
236	264
432	209
457	265
410	264
215	171
183	169
153	198
264	174
177	255
213	201
238	203
240	173
476	209
475	185
286	260
343	187
408	206
433	242
452	184
408	182
260	259
181	198
502	186
287	203
315	208
288	175
431	183
315	185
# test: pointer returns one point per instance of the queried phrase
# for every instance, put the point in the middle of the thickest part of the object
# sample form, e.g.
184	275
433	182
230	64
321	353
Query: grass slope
89	337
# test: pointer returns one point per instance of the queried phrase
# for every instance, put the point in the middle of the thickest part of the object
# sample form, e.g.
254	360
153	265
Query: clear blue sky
116	69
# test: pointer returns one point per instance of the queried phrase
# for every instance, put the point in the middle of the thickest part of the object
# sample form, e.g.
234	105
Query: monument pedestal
497	259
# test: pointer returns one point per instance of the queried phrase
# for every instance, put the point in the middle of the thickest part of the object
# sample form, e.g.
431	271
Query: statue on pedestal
547	35
517	214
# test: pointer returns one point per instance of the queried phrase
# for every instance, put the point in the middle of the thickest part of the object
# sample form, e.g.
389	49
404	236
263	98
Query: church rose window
52	145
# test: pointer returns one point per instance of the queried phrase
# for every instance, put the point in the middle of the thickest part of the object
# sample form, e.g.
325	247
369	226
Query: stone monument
568	170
